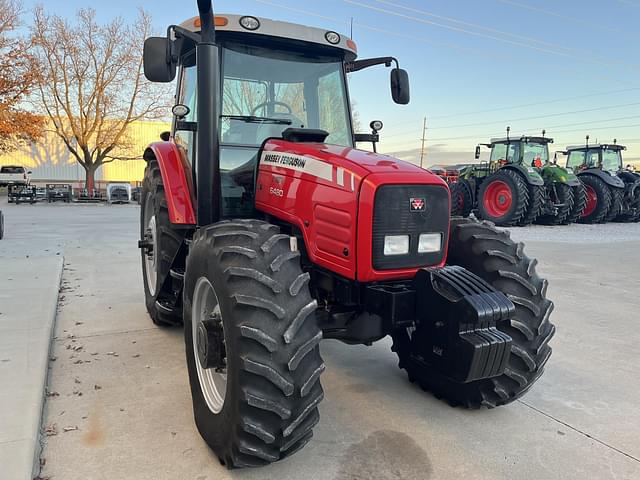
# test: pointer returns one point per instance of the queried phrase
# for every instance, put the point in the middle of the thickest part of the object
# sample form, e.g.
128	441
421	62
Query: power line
522	105
372	28
546	102
559	15
486	135
547	127
558	114
469	24
477	34
452	46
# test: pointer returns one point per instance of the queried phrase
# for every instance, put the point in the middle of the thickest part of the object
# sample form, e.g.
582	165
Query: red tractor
264	231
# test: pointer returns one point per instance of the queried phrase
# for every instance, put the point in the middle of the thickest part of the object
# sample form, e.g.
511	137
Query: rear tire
617	198
493	256
536	204
598	200
271	339
503	198
461	198
633	212
564	196
167	243
579	204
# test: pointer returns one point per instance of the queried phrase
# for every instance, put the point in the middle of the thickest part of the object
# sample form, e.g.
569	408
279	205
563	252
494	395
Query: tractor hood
333	162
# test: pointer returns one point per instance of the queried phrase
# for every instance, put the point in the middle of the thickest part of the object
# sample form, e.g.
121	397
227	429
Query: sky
571	67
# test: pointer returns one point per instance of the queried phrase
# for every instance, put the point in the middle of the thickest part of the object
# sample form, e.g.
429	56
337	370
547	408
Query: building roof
276	28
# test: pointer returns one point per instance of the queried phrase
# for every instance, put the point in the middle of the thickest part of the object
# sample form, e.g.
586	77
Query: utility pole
424	132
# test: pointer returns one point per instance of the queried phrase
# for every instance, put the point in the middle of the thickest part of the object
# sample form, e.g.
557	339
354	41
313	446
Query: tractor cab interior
264	93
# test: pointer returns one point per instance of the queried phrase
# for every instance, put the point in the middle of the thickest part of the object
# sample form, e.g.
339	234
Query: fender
629	177
528	173
558	174
610	180
178	184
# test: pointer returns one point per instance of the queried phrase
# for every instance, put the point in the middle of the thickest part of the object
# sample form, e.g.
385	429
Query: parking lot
123	382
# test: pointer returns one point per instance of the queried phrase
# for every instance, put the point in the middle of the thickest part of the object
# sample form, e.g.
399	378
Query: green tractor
612	192
519	185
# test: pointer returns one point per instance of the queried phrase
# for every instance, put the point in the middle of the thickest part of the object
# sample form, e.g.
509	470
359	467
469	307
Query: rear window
12	170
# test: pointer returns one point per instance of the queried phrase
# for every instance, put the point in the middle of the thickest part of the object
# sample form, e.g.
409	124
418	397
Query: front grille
392	215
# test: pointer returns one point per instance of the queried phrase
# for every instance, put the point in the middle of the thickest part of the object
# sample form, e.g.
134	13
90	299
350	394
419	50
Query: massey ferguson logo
417	204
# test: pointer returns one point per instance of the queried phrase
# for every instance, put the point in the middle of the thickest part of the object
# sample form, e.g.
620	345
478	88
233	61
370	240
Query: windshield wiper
254	119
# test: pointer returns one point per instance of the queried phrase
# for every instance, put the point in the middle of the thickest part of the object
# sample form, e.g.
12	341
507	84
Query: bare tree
17	78
92	86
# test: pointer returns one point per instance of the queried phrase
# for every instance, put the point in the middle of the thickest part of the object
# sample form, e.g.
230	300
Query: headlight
429	242
396	245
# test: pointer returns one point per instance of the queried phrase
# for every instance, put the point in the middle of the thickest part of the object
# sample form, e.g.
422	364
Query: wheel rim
150	253
213	381
498	198
592	201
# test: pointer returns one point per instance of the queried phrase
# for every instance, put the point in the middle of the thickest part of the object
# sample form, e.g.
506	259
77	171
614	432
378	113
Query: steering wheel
264	104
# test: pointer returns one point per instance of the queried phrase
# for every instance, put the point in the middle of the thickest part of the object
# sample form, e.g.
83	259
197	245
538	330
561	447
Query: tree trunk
90	180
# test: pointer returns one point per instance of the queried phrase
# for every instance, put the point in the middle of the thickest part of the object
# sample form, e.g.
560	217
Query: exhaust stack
208	159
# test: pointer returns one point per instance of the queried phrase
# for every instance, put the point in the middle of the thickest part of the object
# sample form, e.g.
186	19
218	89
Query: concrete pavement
122	382
28	302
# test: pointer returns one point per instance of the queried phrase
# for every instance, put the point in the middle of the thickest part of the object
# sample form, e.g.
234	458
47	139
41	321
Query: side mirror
477	152
158	62
165	136
29	172
400	86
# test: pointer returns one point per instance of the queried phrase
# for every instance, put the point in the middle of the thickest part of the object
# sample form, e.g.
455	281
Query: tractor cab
276	80
529	151
603	156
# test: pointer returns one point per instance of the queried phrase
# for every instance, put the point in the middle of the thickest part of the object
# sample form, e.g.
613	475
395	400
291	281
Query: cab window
576	158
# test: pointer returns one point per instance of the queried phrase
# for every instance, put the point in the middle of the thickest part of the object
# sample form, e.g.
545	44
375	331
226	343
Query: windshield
611	160
535	154
263	95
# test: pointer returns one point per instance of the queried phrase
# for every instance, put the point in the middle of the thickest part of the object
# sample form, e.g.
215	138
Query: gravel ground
579	234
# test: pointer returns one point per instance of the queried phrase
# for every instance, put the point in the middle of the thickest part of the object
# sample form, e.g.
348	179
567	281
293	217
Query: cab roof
283	30
596	146
523	138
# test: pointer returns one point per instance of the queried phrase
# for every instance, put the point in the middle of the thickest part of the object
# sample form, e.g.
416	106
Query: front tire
617	199
536	204
563	195
579	204
492	255
164	241
267	318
